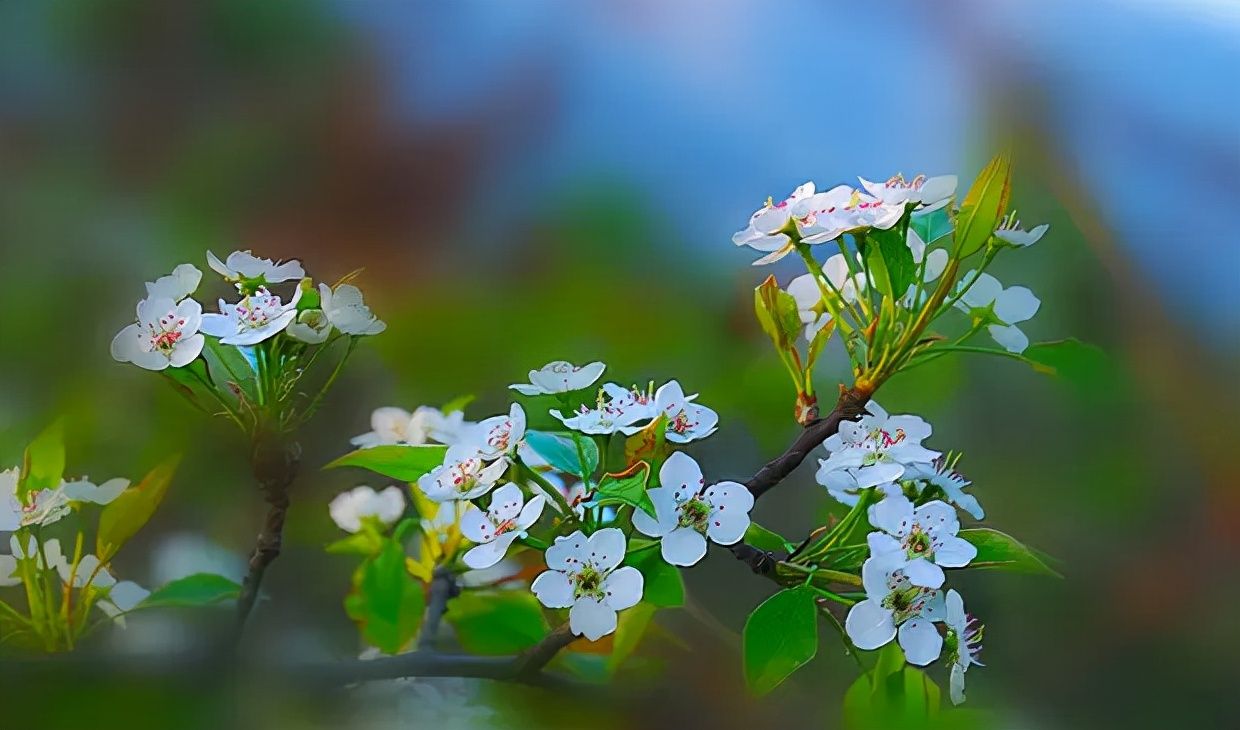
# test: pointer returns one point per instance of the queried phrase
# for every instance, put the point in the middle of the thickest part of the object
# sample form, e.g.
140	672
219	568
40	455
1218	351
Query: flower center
465	474
588	582
904	599
897	181
258	309
505	526
918	544
694	513
681	423
167	333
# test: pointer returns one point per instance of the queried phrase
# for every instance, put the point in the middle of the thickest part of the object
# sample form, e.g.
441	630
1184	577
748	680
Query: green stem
331	380
556	495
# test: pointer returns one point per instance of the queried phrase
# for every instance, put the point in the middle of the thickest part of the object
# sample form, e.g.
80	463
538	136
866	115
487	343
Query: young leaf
983	206
560	451
776	310
648	444
932	226
627	487
780	636
126	514
890	262
1002	551
406	463
631	626
457	404
765	539
199	589
663	586
497	621
43	465
228	365
386	602
1083	364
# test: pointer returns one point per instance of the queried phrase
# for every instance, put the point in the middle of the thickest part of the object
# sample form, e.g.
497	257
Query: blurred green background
542	180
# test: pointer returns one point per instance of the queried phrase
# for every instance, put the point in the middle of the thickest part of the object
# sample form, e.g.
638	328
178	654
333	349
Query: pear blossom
584	575
346	311
47	556
987	300
686	421
390	425
560	376
243	266
894	606
118	596
85	491
182	282
615	408
763	232
877	448
921	540
350	508
950	482
464	474
806	291
493	531
257	317
41	507
843	485
1010	232
687	511
963	643
165	334
311	327
499	435
926	193
826	216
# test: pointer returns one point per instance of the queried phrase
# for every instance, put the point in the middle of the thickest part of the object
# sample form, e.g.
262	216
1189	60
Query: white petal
531	511
681	474
1010	338
476	527
186	351
591	619
953	610
488	554
553	589
893	515
883	545
664	507
937	515
126	594
623	588
729	520
506	502
568	552
922	572
954	552
606	548
957	684
1016	304
869	625
8	569
683	546
920	641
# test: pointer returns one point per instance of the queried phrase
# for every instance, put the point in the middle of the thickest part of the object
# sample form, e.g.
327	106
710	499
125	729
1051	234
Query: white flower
615	408
346	310
688	511
464	474
826	216
47	557
686	421
1009	231
894	605
506	519
922	540
583	575
182	282
762	233
560	377
311	327
499	435
42	507
349	508
964	642
390	425
1008	306
808	295
165	334
243	266
84	491
876	448
926	193
842	484
255	318
950	482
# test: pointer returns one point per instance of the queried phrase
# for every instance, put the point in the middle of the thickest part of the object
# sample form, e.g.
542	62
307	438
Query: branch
275	467
443	589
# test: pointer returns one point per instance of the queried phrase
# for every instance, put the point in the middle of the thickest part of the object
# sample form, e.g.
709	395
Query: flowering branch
275	467
443	588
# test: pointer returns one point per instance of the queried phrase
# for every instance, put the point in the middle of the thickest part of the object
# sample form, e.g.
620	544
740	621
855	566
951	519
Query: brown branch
275	465
443	588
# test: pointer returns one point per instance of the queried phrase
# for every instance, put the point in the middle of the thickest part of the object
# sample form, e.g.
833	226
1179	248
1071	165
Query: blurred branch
443	588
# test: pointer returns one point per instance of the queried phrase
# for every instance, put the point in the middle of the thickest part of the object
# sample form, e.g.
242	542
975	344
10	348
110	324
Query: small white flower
876	448
987	299
808	295
922	540
499	435
506	519
390	425
464	474
349	508
165	334
615	408
346	310
926	193
42	507
686	421
182	282
311	327
47	557
688	511
243	266
893	605
255	318
85	491
762	233
935	263
583	575
964	642
560	377
1009	231
826	216
950	482
842	484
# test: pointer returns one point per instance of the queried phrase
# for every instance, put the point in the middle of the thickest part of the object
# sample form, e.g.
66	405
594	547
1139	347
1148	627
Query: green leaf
1002	551
777	314
386	602
890	262
1083	364
126	514
983	206
227	365
765	539
560	451
43	465
457	404
894	694
363	542
631	626
310	297
628	487
497	621
932	226
664	586
847	558
199	589
780	636
406	463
